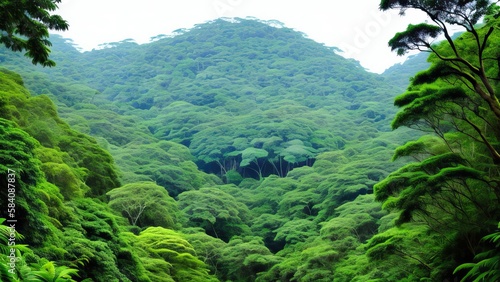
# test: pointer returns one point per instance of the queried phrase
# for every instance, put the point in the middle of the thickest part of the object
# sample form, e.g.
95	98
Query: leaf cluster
25	25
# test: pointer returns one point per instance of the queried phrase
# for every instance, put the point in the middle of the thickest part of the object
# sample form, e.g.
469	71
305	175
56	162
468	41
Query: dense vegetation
240	150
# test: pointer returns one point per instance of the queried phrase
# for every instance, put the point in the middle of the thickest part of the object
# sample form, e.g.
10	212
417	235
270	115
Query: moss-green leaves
252	154
216	211
414	38
449	188
426	105
167	256
145	204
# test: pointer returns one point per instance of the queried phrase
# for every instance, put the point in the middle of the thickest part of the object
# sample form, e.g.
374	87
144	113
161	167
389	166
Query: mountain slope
400	74
253	85
268	144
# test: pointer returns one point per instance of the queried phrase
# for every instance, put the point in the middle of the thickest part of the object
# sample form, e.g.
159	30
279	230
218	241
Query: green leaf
252	154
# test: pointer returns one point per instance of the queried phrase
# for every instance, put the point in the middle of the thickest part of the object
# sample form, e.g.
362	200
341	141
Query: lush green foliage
144	204
24	26
267	93
168	257
217	212
247	152
451	188
13	263
487	262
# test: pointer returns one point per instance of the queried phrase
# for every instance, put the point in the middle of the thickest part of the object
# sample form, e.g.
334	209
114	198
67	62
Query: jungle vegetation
241	150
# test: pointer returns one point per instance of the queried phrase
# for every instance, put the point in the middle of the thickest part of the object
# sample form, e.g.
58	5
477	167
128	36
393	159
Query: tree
244	258
24	26
452	187
144	204
454	60
216	211
208	249
167	256
456	100
253	155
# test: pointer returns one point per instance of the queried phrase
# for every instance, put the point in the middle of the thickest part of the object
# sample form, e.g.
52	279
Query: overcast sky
356	26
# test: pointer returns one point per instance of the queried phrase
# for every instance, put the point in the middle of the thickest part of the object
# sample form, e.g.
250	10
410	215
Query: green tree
297	230
208	249
253	155
216	211
145	204
456	100
167	256
452	185
93	243
24	26
244	258
453	60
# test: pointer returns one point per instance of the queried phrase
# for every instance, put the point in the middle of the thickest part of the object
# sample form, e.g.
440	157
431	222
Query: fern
487	267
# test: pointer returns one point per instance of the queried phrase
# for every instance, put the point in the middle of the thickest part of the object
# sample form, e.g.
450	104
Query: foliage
166	163
25	25
13	263
300	133
30	202
244	258
96	246
82	234
450	190
50	273
272	90
217	212
487	263
295	231
145	204
90	166
167	256
208	249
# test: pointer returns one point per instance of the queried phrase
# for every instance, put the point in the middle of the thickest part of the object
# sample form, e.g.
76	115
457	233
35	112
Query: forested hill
400	74
238	150
232	91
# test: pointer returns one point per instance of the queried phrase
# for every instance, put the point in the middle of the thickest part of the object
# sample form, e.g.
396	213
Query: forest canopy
239	151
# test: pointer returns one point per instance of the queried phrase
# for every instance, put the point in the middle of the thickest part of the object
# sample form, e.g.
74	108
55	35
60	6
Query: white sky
356	26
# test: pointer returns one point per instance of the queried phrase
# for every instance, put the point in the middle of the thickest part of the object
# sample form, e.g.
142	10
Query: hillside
238	150
249	84
398	74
